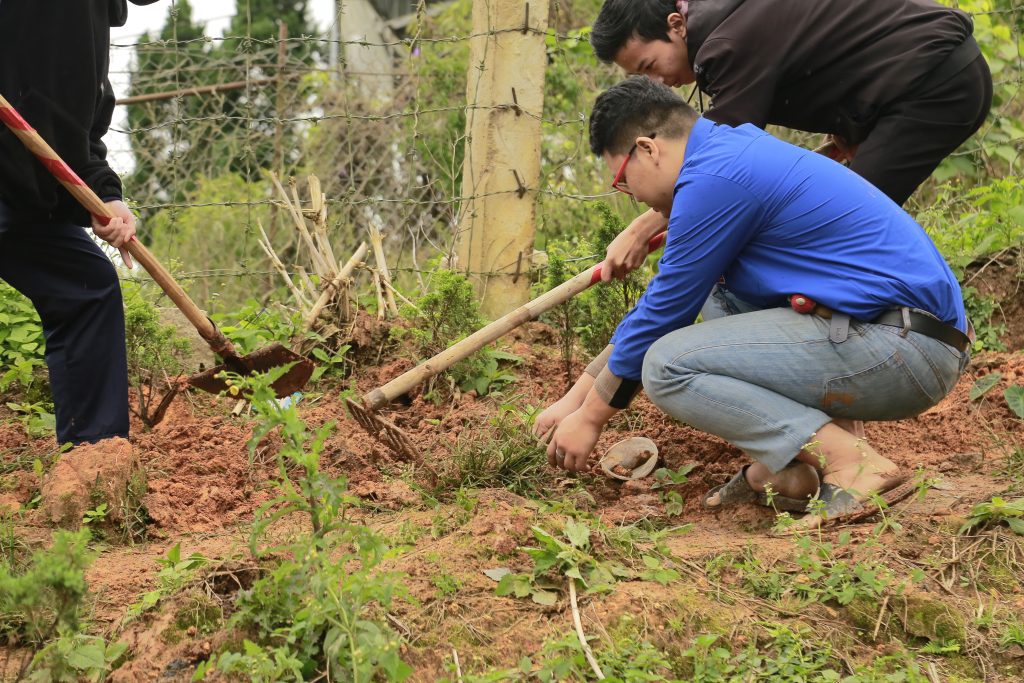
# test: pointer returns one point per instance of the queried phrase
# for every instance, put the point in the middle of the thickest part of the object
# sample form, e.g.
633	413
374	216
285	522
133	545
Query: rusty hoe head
259	360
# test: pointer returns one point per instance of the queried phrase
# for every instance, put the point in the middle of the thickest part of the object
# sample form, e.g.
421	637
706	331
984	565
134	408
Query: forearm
612	389
648	224
596	411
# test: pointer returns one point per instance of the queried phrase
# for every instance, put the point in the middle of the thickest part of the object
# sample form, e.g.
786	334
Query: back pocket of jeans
886	391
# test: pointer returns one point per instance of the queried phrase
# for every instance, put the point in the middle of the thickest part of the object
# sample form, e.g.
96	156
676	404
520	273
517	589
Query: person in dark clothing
54	58
898	85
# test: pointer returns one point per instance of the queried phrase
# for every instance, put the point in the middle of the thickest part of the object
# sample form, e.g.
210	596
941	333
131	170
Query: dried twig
458	666
579	631
881	613
265	244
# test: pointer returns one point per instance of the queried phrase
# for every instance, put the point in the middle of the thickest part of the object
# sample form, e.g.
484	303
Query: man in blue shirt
886	340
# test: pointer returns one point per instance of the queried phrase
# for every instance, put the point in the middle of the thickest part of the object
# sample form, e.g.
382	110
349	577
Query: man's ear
676	23
647	146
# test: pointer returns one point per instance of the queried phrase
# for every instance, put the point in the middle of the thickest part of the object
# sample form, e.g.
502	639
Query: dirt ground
203	487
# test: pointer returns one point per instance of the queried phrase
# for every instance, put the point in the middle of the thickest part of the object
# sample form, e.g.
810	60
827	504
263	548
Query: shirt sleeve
741	82
97	173
712	220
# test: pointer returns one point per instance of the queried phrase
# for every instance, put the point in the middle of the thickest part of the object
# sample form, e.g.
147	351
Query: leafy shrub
46	599
255	325
316	608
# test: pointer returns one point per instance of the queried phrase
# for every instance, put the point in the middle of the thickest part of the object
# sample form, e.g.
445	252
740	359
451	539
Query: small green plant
566	317
1013	635
317	608
95	516
446	313
506	455
604	305
994	512
175	573
942	648
330	364
665	478
14	551
75	657
446	585
256	325
37	418
567	554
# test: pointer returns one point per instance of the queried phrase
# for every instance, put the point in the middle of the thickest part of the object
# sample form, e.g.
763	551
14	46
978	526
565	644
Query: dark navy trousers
75	289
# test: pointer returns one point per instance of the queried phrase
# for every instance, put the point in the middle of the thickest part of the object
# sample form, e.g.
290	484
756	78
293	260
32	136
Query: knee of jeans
656	377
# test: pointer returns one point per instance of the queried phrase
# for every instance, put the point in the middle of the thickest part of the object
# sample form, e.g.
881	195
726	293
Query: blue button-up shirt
776	220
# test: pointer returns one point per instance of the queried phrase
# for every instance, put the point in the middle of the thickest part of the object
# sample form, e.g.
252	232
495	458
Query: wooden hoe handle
94	205
485	335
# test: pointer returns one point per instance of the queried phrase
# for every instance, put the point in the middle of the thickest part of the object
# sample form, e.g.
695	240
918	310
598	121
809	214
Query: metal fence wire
380	119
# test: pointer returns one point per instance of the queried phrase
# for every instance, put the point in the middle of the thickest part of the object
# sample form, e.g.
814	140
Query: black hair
620	20
634	107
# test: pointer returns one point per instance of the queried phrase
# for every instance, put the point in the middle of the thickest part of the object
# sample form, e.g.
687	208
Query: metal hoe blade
260	360
385	430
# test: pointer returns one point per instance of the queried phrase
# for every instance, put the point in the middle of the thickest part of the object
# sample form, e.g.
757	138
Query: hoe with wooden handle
258	361
365	411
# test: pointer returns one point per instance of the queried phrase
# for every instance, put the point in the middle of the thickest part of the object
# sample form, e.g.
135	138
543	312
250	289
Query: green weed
506	455
316	608
175	573
995	512
563	554
21	344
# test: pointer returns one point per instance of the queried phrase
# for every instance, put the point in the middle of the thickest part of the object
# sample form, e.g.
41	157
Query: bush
447	313
155	354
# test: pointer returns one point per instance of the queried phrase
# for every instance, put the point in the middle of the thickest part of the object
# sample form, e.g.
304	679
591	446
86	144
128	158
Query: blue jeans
767	380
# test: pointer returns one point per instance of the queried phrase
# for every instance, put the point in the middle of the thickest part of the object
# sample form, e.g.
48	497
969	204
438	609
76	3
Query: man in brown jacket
897	84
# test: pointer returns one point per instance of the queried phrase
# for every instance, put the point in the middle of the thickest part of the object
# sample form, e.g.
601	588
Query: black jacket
824	66
54	56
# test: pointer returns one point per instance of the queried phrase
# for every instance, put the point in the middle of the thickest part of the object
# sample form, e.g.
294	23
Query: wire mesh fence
383	128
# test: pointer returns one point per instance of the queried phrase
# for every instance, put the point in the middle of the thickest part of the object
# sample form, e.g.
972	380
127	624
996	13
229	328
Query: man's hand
573	441
837	149
119	231
548	421
553	415
629	249
576	436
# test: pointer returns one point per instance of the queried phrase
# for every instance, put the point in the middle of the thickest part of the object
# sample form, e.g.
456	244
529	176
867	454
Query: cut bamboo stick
332	287
279	267
382	267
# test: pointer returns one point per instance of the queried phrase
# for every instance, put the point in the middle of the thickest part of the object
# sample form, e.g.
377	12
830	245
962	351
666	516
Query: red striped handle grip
53	163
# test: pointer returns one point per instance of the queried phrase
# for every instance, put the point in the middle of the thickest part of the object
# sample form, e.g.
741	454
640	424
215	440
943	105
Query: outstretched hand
119	230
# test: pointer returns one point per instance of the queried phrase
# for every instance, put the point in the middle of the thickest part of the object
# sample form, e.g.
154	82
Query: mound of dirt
86	477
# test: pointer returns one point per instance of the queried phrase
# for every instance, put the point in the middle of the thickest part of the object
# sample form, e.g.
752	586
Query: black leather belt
926	325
